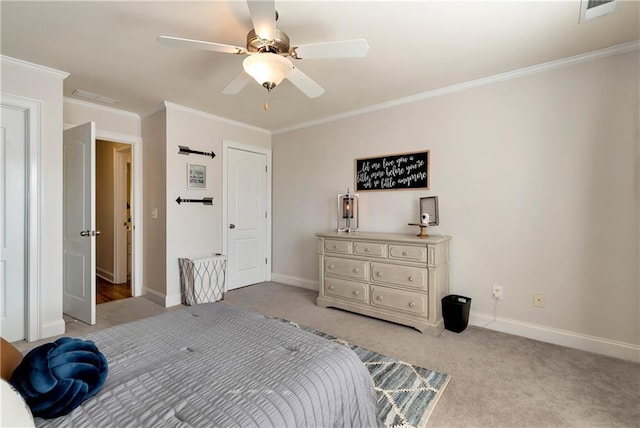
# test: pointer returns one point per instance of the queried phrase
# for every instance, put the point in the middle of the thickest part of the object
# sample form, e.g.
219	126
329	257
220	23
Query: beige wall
24	80
154	198
186	230
537	179
105	207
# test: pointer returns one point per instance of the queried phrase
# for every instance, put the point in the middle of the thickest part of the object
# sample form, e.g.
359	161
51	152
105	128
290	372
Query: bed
213	365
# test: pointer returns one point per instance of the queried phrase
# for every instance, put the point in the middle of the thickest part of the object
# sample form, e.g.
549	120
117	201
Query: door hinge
266	168
265	214
265	261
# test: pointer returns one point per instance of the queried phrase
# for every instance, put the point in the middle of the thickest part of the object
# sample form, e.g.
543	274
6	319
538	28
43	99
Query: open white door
247	218
79	223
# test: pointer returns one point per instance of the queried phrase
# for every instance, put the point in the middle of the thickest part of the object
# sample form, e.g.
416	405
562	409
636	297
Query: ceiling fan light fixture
268	69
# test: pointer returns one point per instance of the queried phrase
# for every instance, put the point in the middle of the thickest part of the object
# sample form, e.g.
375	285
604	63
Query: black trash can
455	311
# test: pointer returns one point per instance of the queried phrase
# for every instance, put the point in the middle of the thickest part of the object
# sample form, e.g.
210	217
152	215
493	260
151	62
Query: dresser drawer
408	253
337	246
346	289
358	269
406	301
370	249
406	276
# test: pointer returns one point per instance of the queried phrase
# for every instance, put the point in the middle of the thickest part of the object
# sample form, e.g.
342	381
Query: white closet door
13	143
247	217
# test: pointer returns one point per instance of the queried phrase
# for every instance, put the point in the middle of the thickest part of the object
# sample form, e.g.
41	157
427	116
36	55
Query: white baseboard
52	328
153	295
162	299
292	280
105	274
173	300
597	345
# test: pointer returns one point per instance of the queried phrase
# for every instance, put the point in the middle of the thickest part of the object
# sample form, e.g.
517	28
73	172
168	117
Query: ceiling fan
269	52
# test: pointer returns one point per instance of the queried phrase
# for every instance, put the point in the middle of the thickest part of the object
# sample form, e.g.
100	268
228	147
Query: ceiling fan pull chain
266	101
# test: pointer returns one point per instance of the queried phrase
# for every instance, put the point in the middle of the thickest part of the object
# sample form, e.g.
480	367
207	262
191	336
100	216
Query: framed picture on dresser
429	206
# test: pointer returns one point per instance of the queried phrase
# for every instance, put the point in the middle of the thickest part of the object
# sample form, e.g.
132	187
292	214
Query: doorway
114	220
80	187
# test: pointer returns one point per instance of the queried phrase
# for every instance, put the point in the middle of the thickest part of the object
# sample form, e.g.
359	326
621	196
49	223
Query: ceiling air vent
94	97
590	9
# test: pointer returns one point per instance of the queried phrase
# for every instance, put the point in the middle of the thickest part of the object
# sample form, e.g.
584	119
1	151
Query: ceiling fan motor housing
279	45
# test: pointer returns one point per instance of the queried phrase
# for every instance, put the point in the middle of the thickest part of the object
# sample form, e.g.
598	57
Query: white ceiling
110	48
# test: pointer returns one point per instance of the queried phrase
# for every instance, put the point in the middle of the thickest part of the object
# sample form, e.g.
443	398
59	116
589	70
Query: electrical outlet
538	299
497	292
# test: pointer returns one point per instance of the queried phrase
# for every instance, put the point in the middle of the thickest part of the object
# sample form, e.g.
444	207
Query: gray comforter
213	365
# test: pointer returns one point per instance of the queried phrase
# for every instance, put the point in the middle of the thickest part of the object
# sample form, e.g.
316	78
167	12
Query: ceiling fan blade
305	83
356	48
199	44
237	84
263	16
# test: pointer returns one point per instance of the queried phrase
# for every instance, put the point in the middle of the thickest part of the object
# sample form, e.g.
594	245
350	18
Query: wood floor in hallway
107	292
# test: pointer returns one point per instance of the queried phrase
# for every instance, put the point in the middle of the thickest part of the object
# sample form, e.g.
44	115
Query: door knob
232	226
85	233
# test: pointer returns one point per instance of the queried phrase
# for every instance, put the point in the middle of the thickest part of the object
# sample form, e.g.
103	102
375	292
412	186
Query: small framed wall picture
429	210
196	176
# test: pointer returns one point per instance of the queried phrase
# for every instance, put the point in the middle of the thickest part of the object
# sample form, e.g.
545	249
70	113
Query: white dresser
395	277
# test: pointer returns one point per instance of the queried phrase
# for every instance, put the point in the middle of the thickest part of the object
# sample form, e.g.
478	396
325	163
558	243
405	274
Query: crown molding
35	67
169	105
153	111
540	68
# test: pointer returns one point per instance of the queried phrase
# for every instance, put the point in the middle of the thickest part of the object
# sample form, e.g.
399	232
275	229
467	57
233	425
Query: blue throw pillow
57	377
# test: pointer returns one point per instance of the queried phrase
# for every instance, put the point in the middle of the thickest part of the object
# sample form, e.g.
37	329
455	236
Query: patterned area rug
406	394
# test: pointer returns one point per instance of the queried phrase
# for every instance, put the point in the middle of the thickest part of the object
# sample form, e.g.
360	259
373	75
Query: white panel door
79	234
13	143
247	218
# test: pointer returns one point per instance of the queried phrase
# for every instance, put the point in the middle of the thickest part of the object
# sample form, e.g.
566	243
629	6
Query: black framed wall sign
402	171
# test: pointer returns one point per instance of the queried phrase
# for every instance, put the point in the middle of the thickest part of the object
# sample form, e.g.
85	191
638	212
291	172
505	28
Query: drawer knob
412	304
355	293
356	270
379	298
366	250
331	287
331	266
379	274
335	247
411	279
404	253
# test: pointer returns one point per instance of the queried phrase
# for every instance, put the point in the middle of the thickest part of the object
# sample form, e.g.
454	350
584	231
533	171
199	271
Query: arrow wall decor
203	201
184	150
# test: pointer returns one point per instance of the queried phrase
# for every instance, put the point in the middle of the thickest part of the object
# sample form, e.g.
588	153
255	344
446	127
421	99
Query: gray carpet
497	380
406	394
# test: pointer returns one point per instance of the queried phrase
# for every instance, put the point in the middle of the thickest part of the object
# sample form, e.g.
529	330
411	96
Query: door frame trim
226	146
33	112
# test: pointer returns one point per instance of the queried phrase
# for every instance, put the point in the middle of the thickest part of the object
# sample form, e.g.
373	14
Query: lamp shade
268	69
